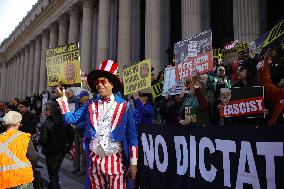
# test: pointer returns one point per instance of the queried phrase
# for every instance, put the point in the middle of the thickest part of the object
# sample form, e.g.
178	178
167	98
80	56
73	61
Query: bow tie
106	99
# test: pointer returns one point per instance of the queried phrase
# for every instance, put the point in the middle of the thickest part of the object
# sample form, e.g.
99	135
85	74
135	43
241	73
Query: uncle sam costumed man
110	133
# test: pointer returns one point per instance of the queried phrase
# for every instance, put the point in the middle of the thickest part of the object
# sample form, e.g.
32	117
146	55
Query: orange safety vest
15	168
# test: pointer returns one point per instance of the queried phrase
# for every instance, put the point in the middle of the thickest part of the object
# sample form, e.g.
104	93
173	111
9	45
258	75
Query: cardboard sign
137	77
242	46
194	55
157	89
244	101
171	85
243	107
230	56
63	65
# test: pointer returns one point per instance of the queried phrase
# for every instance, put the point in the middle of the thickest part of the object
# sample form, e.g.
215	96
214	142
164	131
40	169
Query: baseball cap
83	93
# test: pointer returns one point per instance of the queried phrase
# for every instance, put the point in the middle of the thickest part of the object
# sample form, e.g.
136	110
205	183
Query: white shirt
102	144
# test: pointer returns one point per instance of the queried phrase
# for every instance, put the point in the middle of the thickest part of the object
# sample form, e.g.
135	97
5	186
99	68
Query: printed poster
63	65
171	85
137	77
194	55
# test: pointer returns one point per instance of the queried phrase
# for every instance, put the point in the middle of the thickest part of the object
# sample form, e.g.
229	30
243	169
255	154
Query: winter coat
273	93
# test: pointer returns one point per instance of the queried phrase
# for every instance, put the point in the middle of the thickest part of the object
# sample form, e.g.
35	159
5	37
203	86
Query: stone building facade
124	30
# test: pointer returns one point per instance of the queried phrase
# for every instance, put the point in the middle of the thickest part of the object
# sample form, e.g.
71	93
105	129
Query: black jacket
52	136
29	123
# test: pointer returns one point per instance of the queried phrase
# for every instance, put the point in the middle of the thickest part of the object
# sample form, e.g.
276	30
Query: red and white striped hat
108	69
110	66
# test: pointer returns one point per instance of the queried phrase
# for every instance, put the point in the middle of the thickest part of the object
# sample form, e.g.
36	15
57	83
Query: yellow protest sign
157	89
242	46
63	65
216	53
137	77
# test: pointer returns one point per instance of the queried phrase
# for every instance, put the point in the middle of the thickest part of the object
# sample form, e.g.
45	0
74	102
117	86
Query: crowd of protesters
205	95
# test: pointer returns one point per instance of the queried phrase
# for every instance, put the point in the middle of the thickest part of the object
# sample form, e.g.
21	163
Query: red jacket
273	93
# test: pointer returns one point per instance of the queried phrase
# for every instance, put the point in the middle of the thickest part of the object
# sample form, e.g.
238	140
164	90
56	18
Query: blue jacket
80	126
125	131
143	113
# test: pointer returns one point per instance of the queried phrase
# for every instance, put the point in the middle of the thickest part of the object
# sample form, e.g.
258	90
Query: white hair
12	118
225	90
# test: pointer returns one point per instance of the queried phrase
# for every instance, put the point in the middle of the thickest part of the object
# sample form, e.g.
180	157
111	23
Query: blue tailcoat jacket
125	131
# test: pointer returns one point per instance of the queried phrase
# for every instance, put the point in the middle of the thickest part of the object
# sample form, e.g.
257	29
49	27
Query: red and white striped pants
107	172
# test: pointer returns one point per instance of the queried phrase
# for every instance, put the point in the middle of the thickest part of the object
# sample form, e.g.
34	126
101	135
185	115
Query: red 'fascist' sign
243	107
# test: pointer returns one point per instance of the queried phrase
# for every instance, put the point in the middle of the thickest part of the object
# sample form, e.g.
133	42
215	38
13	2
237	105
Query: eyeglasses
21	106
221	70
102	81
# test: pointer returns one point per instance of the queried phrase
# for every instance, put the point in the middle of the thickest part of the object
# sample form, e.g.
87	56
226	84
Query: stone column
103	31
37	64
63	29
16	73
87	36
136	32
191	17
124	34
3	80
9	85
43	74
6	75
74	26
26	66
7	80
153	34
12	73
113	30
246	18
31	68
21	74
53	32
13	84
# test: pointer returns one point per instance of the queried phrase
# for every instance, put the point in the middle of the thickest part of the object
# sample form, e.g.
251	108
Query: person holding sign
195	108
111	134
272	92
246	74
144	111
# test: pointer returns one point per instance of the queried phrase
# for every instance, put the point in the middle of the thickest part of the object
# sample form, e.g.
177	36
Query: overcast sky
11	13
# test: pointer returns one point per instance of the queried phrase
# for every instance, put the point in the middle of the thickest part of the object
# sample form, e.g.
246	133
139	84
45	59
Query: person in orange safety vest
16	154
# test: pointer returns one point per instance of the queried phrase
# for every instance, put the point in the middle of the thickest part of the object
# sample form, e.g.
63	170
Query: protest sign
171	85
230	56
198	157
242	46
157	89
137	77
244	101
194	55
63	65
271	39
217	56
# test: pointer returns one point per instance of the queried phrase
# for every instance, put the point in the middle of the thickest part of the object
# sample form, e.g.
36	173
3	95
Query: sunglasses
102	81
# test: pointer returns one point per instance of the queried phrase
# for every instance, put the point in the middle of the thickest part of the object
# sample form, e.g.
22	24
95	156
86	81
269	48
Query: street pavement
66	178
